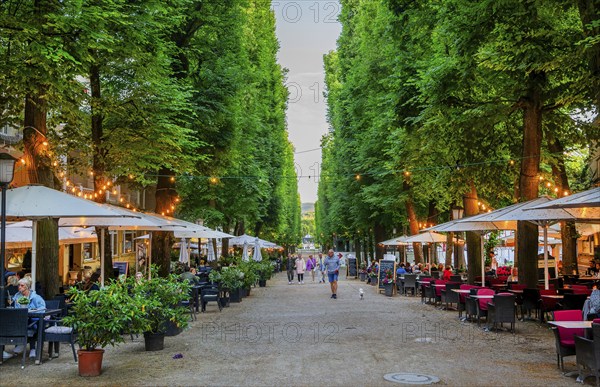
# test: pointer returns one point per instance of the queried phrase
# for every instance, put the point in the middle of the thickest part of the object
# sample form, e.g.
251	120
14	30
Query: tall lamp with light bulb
457	213
7	172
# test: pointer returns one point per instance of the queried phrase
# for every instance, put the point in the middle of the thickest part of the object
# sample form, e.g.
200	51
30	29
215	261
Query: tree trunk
568	233
450	250
414	229
379	231
38	164
163	240
358	249
473	238
527	233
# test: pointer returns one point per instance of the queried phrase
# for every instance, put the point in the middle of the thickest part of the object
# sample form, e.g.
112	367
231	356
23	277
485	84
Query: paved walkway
296	335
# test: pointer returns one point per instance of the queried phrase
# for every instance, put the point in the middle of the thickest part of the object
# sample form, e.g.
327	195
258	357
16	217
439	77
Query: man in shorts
332	264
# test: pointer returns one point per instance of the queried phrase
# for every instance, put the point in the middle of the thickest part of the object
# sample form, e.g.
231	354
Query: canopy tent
584	199
201	232
530	211
240	240
37	202
257	256
427	237
19	235
398	241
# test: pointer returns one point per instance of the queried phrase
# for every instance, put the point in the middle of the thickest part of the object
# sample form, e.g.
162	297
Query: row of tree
434	104
184	95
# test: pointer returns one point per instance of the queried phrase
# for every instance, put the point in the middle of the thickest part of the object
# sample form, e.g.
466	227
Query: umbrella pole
546	285
102	274
33	253
482	260
149	256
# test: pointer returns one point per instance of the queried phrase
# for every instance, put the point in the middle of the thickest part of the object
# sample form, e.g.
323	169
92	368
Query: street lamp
7	172
457	213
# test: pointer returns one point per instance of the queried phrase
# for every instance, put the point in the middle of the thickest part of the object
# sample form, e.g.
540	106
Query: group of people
318	267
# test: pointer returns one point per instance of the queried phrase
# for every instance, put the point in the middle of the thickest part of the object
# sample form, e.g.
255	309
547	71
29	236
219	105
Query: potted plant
388	282
160	300
250	270
363	271
99	318
230	279
265	271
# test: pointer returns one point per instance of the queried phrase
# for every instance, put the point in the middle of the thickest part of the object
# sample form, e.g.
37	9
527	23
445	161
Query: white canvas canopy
240	240
201	232
585	199
427	237
37	202
245	252
184	254
19	235
398	241
210	256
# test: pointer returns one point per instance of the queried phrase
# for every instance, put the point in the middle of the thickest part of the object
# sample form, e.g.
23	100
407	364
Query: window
128	241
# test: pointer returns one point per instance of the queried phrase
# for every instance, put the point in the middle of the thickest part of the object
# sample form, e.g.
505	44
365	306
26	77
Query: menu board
352	268
122	266
385	265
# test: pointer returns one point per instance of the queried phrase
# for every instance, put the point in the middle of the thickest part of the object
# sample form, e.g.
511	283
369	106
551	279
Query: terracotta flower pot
90	362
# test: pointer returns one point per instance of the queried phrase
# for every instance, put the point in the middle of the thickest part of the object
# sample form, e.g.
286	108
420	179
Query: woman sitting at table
91	282
27	298
447	273
514	275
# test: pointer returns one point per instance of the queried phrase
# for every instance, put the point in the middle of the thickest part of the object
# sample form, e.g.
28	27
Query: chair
531	301
564	337
587	353
209	295
410	282
436	274
482	303
190	303
13	329
456	278
471	303
57	333
425	288
548	304
461	306
573	301
448	296
502	310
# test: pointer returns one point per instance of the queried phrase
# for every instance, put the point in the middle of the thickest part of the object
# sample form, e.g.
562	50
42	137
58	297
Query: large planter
224	299
235	295
373	281
154	341
363	276
247	291
389	289
90	362
262	283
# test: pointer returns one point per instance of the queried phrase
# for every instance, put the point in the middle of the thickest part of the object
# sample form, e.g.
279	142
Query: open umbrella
398	241
580	200
257	256
37	202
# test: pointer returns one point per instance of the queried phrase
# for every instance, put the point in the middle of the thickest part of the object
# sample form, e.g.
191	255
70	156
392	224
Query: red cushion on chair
566	334
596	321
484	301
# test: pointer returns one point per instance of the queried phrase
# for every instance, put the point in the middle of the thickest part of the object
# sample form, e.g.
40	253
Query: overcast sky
306	30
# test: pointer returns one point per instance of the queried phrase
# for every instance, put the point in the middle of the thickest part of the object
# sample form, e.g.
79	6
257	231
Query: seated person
490	272
401	270
91	281
11	286
514	275
591	270
27	298
447	273
189	274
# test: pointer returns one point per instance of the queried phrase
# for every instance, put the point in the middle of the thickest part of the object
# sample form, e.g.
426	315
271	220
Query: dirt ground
296	335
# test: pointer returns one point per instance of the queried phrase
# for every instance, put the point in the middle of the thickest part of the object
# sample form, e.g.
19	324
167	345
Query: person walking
290	264
321	268
300	268
332	263
311	265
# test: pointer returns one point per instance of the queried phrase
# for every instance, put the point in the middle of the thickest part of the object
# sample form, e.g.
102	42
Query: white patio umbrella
398	241
240	240
211	256
184	254
245	252
584	199
257	256
427	237
35	202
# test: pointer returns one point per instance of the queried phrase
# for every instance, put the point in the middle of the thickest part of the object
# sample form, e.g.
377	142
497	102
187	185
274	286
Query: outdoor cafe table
516	291
553	296
462	291
572	324
483	296
40	314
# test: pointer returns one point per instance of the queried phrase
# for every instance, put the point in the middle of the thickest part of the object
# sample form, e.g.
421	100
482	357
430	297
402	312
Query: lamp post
7	171
457	213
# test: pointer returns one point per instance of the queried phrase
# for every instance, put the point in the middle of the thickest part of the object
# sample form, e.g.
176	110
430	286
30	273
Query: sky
306	30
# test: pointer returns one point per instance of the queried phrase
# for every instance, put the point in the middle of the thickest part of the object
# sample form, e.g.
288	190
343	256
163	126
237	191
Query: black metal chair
210	295
13	329
587	353
410	282
531	301
57	333
456	278
449	296
573	301
502	310
565	337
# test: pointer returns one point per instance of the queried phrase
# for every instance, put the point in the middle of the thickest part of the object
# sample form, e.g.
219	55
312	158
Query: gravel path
296	335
